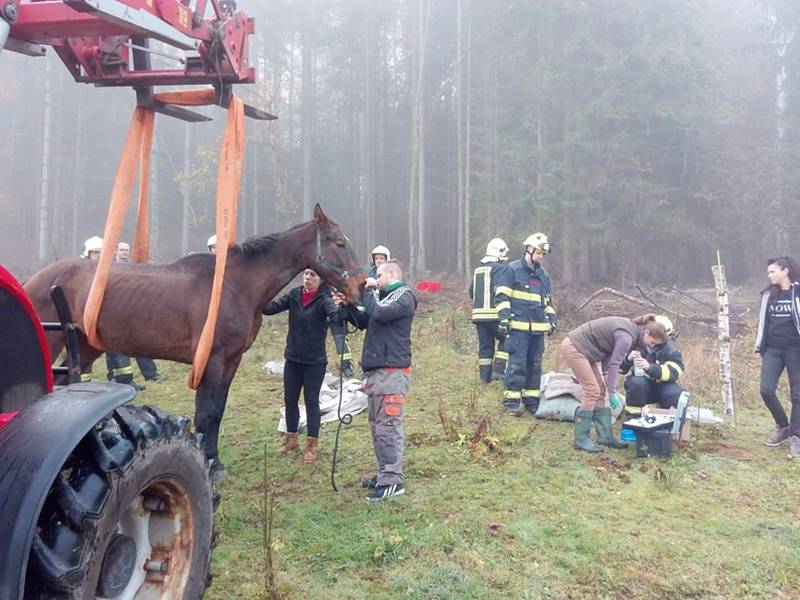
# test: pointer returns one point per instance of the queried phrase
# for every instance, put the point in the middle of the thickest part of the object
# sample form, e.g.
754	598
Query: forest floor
506	509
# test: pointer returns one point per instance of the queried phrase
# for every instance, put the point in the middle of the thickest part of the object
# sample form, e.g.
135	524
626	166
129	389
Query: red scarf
308	296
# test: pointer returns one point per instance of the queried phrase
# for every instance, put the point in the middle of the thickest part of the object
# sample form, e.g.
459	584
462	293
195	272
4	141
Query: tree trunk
44	193
462	265
468	146
186	188
308	107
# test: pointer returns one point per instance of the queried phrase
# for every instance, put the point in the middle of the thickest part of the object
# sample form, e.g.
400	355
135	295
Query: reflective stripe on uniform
512	394
484	361
484	312
672	365
86	377
504	305
525	326
503	289
122	371
501	355
527	296
549	310
530	393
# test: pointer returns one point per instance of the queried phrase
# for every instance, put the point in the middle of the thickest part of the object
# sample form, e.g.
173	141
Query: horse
158	311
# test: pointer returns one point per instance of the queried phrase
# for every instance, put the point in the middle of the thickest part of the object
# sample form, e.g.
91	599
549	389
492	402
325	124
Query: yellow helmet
381	250
496	248
539	241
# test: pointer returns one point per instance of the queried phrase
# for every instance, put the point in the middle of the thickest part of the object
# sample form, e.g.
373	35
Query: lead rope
345	419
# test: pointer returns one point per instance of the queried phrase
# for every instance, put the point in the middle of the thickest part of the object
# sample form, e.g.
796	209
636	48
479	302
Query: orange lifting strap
137	151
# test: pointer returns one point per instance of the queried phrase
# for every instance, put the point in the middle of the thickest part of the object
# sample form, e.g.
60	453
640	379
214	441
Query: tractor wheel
130	515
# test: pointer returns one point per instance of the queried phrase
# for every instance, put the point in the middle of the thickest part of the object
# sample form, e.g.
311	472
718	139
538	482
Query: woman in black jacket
310	306
778	342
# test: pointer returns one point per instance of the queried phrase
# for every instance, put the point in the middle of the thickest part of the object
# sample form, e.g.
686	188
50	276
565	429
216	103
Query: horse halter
344	274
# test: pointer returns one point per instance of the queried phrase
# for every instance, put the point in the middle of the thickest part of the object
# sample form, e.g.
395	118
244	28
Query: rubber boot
310	455
605	431
485	373
583	431
289	442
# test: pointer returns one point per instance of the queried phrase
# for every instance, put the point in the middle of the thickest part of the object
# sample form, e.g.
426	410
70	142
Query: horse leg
210	401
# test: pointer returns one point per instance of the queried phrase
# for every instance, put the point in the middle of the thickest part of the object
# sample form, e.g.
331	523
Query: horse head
335	260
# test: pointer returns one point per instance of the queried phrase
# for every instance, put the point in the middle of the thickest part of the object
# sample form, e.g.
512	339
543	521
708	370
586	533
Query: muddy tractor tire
130	514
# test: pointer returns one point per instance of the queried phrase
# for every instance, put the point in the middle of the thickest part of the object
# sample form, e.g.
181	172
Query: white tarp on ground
354	400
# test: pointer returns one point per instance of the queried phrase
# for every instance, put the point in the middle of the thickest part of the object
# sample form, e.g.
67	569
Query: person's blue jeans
773	362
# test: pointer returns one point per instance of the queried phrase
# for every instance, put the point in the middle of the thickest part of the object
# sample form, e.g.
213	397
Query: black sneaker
382	492
370	483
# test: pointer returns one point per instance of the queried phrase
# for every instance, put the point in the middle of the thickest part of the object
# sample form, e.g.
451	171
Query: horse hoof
217	469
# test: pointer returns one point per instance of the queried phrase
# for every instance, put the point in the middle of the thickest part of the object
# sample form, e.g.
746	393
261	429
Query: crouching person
608	341
389	307
655	371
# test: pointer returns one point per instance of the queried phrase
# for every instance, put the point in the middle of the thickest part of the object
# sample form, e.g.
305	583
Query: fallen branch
688	295
653	302
613	292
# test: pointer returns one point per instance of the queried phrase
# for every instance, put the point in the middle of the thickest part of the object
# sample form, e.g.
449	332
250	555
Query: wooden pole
724	336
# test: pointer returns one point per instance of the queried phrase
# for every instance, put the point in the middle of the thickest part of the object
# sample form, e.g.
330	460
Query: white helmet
93	244
212	241
496	248
666	323
381	250
539	241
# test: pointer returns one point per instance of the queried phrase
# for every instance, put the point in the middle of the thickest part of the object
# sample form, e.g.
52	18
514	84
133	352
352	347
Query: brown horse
158	311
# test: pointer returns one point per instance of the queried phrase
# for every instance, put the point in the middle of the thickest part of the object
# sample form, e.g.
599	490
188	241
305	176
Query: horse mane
259	245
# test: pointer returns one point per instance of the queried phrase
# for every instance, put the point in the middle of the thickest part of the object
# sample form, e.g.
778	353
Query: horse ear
320	218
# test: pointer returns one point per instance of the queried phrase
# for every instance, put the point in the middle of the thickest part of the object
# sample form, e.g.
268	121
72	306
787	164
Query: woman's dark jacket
761	334
305	341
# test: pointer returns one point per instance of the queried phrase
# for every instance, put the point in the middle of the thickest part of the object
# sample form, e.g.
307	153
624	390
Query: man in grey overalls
389	306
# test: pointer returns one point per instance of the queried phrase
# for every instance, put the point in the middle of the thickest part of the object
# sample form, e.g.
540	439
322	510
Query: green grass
518	514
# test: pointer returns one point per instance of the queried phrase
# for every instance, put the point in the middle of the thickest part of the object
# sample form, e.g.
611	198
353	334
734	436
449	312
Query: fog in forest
640	135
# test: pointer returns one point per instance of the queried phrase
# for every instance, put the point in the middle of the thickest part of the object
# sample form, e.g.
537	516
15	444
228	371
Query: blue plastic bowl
628	435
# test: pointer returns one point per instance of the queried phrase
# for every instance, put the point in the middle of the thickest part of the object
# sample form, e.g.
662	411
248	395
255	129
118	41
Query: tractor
100	498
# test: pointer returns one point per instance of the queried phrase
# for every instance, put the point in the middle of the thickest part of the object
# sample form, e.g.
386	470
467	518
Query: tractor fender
33	447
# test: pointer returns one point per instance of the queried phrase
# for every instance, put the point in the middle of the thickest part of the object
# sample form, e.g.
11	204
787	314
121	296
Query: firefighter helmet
538	241
93	244
380	250
212	242
498	249
666	323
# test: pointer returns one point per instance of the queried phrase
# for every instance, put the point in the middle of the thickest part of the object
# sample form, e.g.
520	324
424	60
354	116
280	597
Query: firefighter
655	370
491	364
118	366
379	255
146	365
525	312
212	244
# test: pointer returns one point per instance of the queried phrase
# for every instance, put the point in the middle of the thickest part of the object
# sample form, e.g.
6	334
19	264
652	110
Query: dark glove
502	327
553	327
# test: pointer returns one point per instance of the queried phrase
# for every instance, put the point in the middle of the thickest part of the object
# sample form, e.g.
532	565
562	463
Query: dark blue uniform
659	382
523	300
491	363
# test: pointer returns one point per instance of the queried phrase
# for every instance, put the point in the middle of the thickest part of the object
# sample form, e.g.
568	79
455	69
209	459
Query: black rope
345	419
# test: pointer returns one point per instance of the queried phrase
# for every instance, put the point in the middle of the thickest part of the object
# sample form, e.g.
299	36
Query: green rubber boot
605	431
583	431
